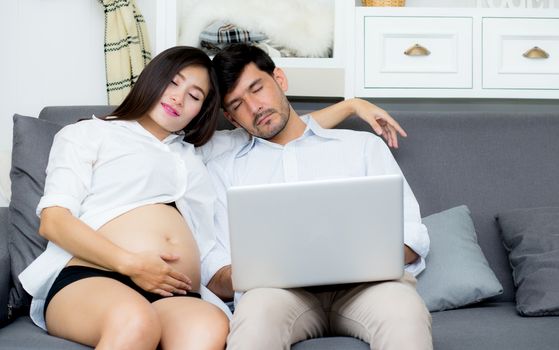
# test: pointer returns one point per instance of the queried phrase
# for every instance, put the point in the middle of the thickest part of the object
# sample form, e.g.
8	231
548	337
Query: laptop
316	233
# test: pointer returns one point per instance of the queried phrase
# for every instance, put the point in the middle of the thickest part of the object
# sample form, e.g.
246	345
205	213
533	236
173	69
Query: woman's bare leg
190	323
103	313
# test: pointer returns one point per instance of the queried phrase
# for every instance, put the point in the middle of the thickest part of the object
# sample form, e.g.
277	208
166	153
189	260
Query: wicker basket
394	3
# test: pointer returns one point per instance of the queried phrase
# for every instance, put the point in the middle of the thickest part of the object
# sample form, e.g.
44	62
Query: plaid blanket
126	47
222	33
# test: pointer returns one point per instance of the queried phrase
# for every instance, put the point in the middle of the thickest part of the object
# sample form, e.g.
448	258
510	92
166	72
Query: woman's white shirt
101	169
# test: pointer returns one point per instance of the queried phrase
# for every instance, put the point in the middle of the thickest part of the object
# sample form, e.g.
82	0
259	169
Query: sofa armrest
5	273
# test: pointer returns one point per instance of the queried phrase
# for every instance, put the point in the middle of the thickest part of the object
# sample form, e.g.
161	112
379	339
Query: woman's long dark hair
155	78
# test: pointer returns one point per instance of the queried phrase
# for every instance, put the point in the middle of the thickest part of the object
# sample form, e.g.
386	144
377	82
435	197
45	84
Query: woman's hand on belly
161	230
154	273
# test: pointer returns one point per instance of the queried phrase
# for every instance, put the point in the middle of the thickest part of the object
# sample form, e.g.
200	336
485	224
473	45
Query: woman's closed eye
196	94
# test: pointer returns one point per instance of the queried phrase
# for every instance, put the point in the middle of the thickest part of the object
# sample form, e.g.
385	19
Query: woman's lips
170	110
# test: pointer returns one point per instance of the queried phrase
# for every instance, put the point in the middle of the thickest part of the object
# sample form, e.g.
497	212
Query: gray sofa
490	162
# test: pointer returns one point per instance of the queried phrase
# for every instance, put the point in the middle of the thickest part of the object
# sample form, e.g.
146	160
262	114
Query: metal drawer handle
417	50
536	53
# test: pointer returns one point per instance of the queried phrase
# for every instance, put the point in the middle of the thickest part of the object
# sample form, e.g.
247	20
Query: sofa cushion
32	140
491	161
65	115
456	272
331	343
531	236
493	326
24	334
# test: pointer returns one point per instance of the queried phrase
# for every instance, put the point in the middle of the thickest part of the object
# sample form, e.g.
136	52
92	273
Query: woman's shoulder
86	129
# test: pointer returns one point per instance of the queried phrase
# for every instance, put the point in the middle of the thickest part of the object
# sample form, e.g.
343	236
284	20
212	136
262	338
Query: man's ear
230	118
280	78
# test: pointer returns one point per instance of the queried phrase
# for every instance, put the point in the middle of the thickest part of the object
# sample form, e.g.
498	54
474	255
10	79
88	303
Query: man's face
258	103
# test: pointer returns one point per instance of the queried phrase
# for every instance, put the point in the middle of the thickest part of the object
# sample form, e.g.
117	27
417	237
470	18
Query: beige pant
387	315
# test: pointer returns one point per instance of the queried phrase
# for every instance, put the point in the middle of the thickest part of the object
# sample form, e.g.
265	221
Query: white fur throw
304	26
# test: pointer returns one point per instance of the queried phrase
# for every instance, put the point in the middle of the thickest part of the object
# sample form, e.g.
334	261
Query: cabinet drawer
505	43
447	64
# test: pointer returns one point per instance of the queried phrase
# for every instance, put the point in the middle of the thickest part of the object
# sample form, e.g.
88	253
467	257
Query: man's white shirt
318	154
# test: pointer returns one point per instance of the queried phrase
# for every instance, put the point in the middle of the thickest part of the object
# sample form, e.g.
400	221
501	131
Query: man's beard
284	114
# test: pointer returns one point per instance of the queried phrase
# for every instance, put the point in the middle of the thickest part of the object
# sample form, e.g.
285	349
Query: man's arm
379	161
221	283
381	122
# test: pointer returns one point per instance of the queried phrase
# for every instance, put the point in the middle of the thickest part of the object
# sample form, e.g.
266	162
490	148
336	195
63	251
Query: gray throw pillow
32	140
531	236
457	273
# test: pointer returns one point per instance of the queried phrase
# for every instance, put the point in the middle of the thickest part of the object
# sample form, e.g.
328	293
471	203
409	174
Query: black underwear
71	274
172	204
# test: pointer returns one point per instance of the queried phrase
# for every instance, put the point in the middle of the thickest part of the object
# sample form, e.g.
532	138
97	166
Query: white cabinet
461	53
416	52
436	54
521	53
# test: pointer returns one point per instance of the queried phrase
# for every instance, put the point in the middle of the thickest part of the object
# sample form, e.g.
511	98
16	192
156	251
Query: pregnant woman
127	210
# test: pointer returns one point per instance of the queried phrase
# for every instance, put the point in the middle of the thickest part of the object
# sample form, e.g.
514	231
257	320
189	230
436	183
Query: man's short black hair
230	62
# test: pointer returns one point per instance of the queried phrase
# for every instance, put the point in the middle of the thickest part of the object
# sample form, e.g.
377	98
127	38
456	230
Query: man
285	147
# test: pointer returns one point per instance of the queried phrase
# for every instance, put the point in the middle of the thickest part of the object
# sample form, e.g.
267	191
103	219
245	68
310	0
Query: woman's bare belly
158	228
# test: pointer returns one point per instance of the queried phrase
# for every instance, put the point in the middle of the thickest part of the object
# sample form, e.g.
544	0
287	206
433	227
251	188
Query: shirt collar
312	129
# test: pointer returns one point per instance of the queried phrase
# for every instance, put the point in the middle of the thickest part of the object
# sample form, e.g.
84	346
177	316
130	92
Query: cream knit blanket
127	49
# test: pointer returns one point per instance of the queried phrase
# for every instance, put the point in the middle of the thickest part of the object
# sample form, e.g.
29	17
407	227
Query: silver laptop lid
316	232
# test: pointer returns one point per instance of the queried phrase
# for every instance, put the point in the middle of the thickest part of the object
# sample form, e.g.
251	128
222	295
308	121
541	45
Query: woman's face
180	103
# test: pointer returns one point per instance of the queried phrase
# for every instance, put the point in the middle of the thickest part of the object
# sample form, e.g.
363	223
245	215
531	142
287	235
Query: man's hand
221	283
381	122
409	255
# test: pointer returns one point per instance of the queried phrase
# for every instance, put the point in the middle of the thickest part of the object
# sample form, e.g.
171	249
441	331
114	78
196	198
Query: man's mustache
263	114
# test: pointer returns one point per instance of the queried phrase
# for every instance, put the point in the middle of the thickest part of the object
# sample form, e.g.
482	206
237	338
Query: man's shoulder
237	134
222	161
222	143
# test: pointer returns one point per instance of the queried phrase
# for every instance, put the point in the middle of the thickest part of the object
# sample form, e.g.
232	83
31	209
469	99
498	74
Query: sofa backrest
491	162
65	115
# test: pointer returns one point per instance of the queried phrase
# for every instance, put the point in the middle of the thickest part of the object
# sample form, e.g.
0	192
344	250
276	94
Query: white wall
52	54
